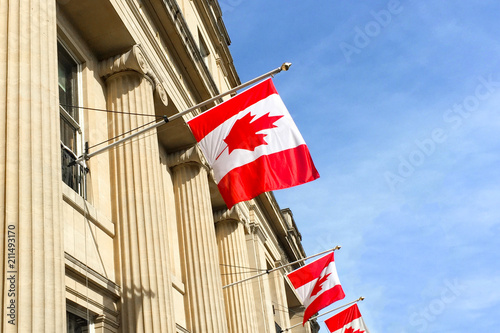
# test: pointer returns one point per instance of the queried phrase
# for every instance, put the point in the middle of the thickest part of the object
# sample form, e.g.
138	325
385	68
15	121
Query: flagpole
284	67
317	316
280	267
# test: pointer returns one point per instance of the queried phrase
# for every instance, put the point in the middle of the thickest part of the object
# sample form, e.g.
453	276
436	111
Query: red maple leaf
351	330
319	284
243	134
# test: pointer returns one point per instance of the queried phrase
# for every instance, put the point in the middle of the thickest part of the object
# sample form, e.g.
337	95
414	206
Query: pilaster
204	298
277	283
235	266
31	247
138	199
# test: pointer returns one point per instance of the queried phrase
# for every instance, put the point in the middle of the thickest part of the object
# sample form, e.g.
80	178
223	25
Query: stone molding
133	60
104	321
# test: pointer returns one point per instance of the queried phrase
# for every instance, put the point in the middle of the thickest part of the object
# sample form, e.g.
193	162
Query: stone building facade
136	239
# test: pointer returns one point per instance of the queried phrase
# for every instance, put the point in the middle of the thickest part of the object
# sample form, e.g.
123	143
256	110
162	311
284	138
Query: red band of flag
248	181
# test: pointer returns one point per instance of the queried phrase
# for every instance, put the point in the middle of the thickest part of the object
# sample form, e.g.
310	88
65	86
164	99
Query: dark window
204	51
72	175
75	324
68	98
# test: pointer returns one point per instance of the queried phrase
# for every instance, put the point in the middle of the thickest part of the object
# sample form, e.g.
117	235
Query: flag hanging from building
347	321
317	285
253	145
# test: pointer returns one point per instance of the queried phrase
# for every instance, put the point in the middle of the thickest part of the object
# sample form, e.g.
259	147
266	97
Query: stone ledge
78	269
87	210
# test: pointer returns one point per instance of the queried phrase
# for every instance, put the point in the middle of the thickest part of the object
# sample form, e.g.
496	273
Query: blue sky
399	104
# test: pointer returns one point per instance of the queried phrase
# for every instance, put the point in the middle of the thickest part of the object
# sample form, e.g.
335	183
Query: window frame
76	123
204	50
82	313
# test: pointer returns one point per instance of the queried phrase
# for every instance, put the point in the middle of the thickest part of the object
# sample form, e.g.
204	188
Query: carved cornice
220	38
190	155
133	60
182	29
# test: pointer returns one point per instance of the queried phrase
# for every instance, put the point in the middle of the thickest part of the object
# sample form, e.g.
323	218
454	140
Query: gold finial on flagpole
286	66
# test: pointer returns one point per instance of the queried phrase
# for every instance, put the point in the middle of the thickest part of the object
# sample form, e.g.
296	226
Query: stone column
204	299
31	264
277	283
235	266
256	241
138	199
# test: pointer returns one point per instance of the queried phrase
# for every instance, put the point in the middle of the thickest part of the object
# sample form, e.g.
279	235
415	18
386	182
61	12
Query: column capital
254	226
189	155
257	230
233	214
133	60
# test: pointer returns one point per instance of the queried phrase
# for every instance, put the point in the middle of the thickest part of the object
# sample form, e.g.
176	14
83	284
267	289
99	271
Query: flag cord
284	67
327	312
109	111
116	137
243	267
268	271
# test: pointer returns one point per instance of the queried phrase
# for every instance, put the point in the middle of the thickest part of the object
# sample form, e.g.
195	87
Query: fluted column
204	299
32	267
138	200
235	266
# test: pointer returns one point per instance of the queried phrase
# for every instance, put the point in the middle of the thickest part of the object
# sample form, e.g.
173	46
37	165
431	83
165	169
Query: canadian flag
317	285
347	321
253	145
